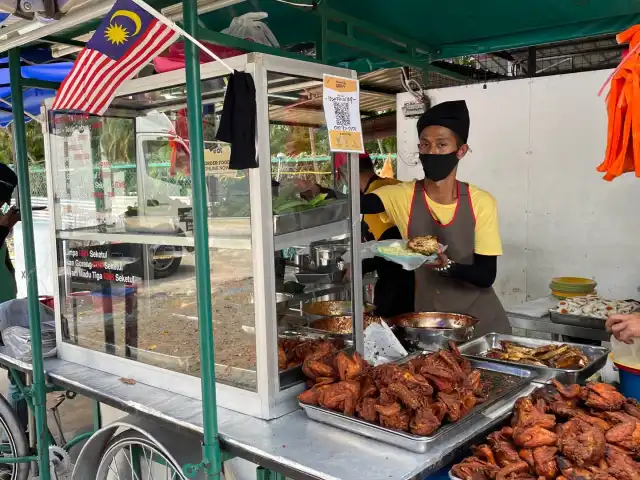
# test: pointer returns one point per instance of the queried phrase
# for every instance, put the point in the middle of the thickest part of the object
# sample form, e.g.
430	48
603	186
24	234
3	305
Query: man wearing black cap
8	182
461	216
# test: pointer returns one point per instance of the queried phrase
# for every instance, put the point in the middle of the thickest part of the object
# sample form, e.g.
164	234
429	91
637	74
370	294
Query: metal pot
302	258
316	310
328	255
282	302
433	330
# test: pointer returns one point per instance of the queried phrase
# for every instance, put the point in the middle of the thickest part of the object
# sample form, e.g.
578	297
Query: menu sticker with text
341	102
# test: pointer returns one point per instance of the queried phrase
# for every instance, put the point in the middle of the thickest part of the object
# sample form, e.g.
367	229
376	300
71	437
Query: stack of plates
567	287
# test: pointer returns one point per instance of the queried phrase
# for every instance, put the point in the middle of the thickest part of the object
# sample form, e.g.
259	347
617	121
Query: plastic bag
18	341
249	27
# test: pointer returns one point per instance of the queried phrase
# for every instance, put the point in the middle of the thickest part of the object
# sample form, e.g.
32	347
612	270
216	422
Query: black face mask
438	167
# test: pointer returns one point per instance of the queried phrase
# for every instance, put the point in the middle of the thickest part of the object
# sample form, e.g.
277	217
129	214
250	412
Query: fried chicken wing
472	468
533	437
526	415
508	471
526	454
315	368
348	368
567	391
406	396
484	452
625	435
544	459
581	442
399	421
366	409
621	465
603	397
505	451
424	422
632	408
368	387
453	403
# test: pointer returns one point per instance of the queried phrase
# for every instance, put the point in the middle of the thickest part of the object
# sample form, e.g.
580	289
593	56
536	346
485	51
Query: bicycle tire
16	439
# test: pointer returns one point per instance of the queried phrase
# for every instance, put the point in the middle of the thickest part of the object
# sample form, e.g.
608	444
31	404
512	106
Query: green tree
35	144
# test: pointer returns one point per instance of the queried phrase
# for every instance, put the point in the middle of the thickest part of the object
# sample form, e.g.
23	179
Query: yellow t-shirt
397	203
379	223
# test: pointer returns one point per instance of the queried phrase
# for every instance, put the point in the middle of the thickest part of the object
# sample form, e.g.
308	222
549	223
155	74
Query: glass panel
133	292
311	208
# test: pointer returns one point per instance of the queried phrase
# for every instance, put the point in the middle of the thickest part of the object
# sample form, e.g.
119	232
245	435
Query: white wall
535	146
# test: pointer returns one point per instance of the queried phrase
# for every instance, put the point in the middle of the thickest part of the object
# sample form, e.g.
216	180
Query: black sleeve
4	233
369	265
482	273
371	203
9	265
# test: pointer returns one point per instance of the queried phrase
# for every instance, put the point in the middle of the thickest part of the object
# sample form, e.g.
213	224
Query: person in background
8	287
461	216
8	182
625	327
393	293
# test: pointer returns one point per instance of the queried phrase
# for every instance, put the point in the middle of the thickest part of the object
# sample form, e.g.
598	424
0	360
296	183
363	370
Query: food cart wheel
13	443
131	456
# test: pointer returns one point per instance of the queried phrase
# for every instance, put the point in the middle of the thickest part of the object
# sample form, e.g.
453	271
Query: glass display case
120	193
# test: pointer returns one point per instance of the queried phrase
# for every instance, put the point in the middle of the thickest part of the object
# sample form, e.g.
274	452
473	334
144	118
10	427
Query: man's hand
10	218
442	261
624	327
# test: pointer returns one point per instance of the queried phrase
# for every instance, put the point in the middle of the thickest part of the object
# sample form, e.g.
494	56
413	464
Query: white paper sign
341	102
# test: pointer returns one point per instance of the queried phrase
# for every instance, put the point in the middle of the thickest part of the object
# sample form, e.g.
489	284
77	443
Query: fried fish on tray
555	356
425	245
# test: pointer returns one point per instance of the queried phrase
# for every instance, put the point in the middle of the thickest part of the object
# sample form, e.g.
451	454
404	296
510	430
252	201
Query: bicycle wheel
130	456
13	443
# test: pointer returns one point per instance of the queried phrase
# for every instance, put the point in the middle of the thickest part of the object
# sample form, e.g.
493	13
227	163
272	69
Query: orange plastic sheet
623	110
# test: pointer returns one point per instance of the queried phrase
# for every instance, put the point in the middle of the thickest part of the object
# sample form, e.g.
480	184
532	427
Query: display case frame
268	400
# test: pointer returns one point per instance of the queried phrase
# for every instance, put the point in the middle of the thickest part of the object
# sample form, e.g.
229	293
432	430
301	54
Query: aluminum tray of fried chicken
578	364
501	381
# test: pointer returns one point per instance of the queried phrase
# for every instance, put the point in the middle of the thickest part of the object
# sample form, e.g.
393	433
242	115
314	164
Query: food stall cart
242	405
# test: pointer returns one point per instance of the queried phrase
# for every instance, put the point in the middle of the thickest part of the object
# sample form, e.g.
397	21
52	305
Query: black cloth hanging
238	122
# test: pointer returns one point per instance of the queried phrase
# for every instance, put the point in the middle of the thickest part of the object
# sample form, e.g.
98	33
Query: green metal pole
22	167
211	447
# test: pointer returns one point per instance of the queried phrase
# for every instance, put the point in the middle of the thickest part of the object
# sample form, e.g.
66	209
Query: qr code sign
342	113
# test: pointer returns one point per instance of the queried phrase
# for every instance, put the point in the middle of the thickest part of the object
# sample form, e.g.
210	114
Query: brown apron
437	293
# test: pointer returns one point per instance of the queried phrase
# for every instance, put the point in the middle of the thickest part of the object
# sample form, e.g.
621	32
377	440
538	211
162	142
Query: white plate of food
412	253
595	306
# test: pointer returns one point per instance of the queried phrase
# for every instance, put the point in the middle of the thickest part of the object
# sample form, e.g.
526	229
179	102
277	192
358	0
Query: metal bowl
282	302
433	330
333	308
340	325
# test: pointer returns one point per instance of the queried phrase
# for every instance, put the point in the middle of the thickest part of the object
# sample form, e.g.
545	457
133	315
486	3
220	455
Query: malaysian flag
127	39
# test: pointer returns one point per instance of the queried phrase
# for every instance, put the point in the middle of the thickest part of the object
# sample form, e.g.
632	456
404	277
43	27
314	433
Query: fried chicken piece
571	471
472	468
484	452
469	400
386	374
314	369
567	391
310	397
544	459
464	363
533	437
615	418
621	465
453	403
389	410
632	408
581	442
366	409
508	471
526	454
625	435
282	359
424	422
504	450
526	415
324	381
415	380
591	420
348	368
406	396
603	397
368	388
399	421
341	397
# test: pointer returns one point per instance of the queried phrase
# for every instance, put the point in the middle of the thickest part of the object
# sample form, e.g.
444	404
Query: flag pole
161	18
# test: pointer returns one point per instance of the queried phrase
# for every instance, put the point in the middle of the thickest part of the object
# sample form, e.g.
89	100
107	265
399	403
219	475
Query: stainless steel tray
505	381
292	222
597	357
577	320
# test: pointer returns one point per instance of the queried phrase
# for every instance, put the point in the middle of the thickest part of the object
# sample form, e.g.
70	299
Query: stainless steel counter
292	445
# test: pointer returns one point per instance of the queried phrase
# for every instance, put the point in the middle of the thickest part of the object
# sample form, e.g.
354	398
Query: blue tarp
33	97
